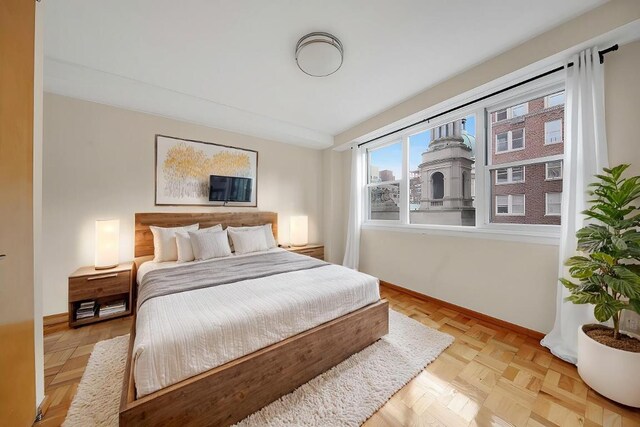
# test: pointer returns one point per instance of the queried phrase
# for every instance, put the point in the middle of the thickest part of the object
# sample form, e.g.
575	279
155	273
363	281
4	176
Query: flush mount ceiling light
319	54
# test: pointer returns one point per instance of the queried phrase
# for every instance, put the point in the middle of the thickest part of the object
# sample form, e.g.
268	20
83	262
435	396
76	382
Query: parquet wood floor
490	376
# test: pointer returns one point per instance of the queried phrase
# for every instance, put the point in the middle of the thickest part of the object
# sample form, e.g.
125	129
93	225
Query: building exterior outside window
542	131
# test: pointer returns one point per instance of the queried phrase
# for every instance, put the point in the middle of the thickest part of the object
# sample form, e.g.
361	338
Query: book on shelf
114	307
86	310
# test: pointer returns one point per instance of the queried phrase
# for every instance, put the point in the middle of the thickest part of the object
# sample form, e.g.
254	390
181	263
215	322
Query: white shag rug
346	395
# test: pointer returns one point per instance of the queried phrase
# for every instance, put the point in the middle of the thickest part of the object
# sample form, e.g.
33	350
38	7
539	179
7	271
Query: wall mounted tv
229	189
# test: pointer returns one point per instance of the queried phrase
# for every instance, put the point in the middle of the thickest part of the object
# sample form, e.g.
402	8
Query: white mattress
184	334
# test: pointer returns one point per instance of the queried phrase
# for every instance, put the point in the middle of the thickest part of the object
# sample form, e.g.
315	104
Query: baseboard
55	322
484	317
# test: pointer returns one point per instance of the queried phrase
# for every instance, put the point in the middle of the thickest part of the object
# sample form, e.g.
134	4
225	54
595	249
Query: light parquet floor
489	376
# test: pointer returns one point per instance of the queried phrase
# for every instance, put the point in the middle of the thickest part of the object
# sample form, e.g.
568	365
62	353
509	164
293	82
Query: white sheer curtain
352	251
585	154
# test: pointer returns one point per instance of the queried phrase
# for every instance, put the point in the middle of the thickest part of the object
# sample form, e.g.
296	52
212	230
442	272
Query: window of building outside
510	175
512	204
553	132
518	183
554	99
553	203
553	170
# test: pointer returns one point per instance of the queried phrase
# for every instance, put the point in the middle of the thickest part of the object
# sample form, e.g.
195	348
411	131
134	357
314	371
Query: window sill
509	151
547	237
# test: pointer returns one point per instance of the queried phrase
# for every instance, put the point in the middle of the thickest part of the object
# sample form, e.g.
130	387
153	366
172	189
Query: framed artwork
184	169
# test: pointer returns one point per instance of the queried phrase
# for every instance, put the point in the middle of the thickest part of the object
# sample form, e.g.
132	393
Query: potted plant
609	278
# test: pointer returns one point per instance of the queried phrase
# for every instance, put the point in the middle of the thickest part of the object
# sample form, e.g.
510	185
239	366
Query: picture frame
183	167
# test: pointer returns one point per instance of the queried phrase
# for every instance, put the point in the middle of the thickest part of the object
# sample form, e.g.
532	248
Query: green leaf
604	258
604	310
583	298
568	284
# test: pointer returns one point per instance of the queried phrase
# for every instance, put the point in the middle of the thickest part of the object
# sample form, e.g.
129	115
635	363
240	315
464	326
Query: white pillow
210	245
267	230
183	241
247	241
165	247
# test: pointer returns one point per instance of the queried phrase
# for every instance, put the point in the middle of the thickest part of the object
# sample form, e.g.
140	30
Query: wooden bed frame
228	393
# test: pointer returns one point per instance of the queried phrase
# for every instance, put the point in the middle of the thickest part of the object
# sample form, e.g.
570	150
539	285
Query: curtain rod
601	54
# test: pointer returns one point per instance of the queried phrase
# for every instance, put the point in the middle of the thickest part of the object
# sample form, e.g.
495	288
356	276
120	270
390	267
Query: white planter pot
611	372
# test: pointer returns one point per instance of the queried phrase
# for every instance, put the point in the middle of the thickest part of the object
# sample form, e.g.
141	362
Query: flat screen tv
229	189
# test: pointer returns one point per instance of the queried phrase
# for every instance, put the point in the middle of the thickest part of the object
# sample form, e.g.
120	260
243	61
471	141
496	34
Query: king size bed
216	340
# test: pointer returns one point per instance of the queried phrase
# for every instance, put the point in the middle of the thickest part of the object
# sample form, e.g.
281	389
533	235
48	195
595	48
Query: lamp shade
107	243
299	230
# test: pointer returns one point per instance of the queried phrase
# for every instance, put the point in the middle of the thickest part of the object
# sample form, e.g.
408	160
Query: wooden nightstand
315	251
103	287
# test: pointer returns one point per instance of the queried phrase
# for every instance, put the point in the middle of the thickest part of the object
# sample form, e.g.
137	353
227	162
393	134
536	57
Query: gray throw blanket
188	277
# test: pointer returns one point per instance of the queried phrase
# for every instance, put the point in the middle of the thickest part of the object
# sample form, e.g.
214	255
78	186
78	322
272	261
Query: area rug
346	395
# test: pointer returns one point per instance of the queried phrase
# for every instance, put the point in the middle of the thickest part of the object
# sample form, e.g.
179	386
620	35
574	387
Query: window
442	173
510	141
437	185
553	132
512	204
436	174
502	142
384	171
511	112
519	110
510	175
553	170
553	203
517	139
554	99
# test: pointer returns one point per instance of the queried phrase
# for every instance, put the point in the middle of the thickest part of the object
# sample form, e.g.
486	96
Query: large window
495	165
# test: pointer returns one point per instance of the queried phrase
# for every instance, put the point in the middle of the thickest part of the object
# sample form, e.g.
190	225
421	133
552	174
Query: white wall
99	163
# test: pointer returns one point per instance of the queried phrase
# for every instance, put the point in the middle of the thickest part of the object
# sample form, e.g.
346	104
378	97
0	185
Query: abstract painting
183	168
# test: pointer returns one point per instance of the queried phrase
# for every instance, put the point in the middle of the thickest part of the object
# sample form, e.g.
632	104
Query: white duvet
187	333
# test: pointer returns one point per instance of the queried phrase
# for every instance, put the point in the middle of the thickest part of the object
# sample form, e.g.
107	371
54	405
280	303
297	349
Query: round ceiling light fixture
319	54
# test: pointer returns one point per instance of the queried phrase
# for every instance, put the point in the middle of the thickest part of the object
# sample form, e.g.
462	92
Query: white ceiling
230	64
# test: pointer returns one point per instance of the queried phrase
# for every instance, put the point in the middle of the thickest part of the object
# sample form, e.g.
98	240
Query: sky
390	157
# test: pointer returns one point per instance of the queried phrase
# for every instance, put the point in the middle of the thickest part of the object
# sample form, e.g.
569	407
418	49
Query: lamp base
294	245
105	267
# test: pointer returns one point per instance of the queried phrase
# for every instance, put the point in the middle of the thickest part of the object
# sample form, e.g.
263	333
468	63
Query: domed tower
447	173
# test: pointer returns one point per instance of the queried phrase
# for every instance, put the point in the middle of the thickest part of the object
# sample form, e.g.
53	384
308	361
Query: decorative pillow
165	247
267	230
247	241
210	245
183	241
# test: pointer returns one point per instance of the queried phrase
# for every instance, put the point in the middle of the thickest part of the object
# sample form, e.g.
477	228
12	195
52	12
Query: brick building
529	193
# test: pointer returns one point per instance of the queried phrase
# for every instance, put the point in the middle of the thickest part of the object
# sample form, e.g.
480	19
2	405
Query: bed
259	326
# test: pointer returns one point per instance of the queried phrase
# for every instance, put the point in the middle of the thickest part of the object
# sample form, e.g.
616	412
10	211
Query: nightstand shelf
103	287
315	251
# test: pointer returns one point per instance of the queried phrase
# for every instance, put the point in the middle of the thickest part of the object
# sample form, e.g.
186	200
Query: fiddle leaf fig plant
607	272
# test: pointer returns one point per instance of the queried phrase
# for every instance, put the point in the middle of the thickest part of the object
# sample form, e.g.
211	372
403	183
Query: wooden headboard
144	237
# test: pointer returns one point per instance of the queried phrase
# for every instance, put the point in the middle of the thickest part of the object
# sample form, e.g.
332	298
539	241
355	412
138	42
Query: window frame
367	206
510	205
510	148
484	228
546	204
510	175
561	132
548	97
546	170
